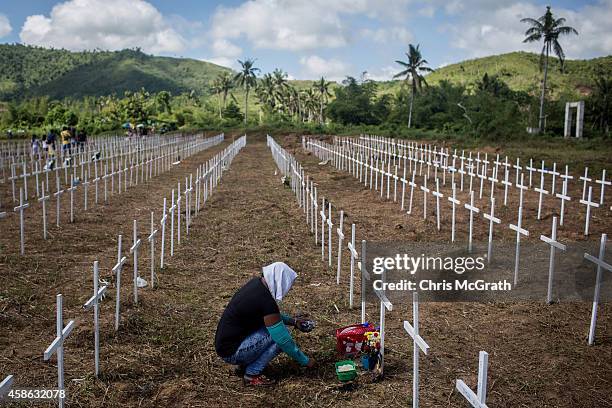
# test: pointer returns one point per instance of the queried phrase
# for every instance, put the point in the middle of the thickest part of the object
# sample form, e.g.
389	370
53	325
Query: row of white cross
164	166
306	194
302	189
208	176
379	174
140	156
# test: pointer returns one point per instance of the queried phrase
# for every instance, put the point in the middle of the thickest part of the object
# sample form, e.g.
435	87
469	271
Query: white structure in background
579	118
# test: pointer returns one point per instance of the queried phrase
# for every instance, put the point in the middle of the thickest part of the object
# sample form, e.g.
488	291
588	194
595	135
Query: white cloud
493	30
384	35
315	67
299	25
383	74
104	24
5	26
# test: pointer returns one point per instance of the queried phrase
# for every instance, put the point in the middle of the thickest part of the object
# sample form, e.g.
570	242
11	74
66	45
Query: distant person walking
35	145
66	139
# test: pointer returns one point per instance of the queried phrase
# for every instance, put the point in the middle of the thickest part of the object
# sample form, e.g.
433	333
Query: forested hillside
33	71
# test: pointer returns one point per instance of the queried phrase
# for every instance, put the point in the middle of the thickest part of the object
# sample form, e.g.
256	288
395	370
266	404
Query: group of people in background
69	137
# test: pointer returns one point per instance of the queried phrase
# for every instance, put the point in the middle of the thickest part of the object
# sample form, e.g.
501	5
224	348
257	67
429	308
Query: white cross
57	195
603	183
552	241
117	271
21	207
404	181
425	192
478	399
454	203
438	195
323	219
472	210
518	169
354	255
589	203
585	179
542	192
519	230
329	234
172	209
340	239
418	344
601	266
71	190
531	169
43	200
492	220
412	185
178	212
385	305
493	179
134	250
163	235
86	188
25	175
506	184
554	173
151	239
98	295
563	197
57	346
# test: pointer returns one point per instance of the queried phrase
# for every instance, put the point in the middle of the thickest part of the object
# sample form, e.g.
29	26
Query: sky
306	38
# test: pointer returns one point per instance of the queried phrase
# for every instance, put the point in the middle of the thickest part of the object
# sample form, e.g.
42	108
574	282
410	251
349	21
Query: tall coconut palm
247	78
322	87
281	85
225	84
550	29
266	92
215	87
412	72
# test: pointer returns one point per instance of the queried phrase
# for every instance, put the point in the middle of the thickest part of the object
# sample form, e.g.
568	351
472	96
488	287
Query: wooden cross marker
94	302
563	197
438	195
506	184
518	169
105	178
151	239
589	203
24	176
57	346
601	266
13	178
21	207
493	179
603	183
454	203
492	220
163	236
188	192
585	179
478	399
531	169
519	231
172	209
85	189
117	271
418	345
470	207
395	178
554	174
323	219
542	191
404	181
354	255
43	200
134	250
425	192
412	185
552	241
329	234
340	239
178	213
57	195
71	190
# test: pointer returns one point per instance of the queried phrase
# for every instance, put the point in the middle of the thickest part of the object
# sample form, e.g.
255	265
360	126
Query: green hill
33	71
521	71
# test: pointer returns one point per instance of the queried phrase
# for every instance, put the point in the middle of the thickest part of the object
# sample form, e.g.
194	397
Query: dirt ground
163	354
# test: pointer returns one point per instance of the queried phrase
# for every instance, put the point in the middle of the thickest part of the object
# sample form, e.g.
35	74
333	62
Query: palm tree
413	69
226	84
322	87
266	92
248	79
550	29
215	87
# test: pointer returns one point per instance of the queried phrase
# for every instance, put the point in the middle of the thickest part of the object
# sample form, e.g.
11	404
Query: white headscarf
279	277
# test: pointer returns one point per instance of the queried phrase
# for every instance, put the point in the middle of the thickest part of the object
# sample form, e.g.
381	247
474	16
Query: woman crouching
252	330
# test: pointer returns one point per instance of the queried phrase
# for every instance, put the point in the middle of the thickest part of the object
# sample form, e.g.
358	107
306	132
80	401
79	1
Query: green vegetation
27	71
